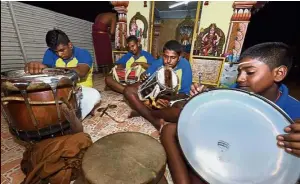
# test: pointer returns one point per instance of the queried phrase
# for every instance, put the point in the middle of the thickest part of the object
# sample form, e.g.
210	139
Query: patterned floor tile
116	121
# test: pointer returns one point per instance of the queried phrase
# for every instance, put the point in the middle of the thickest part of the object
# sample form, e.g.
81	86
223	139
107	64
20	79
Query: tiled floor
97	127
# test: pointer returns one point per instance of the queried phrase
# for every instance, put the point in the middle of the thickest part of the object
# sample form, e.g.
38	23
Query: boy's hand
34	67
163	102
134	64
290	142
196	89
119	66
143	77
143	65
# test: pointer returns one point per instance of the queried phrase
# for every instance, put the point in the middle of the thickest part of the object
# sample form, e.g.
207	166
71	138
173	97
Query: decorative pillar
156	33
238	27
121	27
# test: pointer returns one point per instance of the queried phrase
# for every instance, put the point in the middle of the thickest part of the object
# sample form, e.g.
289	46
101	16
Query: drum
127	76
126	157
238	144
31	103
163	82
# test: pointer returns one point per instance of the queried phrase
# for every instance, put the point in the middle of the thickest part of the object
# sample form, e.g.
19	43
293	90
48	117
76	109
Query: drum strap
137	69
114	72
6	100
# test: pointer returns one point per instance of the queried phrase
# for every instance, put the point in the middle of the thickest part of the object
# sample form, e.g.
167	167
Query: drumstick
113	118
109	106
104	110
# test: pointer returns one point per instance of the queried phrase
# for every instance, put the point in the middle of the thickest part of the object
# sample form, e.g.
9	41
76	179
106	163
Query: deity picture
185	31
136	29
210	41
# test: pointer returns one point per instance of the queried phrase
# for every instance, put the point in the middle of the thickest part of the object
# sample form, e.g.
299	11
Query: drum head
49	77
161	78
229	137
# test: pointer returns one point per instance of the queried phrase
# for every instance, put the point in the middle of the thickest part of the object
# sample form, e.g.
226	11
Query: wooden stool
125	158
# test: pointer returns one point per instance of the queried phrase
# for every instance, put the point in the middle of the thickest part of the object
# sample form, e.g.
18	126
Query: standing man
103	30
62	54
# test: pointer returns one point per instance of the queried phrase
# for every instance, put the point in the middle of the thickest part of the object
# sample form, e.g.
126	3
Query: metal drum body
228	136
124	158
31	102
159	84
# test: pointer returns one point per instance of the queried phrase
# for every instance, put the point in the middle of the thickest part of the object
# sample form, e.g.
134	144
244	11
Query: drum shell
45	114
122	74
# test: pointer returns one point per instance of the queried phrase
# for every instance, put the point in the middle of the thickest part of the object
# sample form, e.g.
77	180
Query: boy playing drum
171	57
134	57
262	69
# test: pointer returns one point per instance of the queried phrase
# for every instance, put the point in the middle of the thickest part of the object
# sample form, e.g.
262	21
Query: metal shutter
79	31
32	24
11	53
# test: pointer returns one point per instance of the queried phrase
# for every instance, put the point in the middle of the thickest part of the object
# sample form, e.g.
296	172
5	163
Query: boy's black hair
56	37
274	54
174	46
132	38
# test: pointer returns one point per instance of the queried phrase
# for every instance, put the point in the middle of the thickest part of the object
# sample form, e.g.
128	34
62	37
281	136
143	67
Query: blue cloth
288	104
183	70
144	55
81	55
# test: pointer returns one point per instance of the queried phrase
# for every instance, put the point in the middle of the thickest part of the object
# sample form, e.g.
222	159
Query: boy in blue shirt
171	57
134	57
262	69
61	53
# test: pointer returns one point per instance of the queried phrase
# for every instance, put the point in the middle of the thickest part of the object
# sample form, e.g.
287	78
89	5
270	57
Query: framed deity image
207	70
117	55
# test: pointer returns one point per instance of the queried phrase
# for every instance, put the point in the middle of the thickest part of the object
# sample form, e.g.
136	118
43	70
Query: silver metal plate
229	137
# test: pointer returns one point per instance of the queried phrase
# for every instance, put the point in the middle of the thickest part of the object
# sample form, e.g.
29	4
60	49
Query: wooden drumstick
104	110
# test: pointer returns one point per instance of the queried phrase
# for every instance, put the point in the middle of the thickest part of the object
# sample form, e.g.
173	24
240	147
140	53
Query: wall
23	31
138	6
218	12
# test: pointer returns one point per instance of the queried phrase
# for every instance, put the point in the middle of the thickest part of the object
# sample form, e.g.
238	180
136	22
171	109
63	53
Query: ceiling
164	5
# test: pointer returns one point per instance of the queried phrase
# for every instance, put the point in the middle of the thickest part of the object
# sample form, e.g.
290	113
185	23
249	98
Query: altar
211	41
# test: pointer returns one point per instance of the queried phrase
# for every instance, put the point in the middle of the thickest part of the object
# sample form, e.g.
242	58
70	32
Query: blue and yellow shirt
288	104
129	58
183	70
80	56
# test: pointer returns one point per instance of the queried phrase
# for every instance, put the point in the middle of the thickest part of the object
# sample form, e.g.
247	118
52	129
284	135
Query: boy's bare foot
162	124
106	88
133	114
92	113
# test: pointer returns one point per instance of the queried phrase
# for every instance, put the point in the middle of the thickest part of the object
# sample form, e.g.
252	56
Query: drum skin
45	115
126	157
